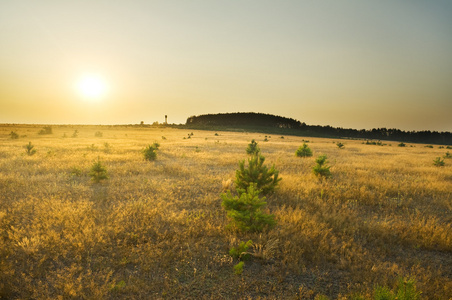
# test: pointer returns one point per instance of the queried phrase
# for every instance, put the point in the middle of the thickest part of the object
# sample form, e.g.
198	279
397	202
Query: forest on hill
283	125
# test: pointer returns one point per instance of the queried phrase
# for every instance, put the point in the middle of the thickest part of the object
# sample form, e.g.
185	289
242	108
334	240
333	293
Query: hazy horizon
350	64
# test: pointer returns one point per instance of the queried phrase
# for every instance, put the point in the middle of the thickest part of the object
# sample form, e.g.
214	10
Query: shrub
241	251
402	145
405	290
76	172
252	148
98	171
238	268
447	155
46	130
13	135
340	145
75	134
438	162
30	149
265	179
107	147
150	152
245	210
320	169
303	151
98	134
428	146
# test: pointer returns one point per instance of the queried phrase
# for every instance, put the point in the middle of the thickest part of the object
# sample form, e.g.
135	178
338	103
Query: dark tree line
295	127
243	119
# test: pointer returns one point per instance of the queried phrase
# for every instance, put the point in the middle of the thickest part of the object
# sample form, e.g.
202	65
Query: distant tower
166	119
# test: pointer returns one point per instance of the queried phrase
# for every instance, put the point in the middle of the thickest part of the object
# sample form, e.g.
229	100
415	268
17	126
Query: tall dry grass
157	229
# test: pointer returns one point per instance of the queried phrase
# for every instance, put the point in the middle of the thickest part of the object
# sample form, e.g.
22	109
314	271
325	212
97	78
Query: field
156	229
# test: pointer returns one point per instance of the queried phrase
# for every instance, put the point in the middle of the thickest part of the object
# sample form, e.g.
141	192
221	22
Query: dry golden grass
157	229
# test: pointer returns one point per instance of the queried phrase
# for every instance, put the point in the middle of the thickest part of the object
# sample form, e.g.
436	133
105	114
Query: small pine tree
439	162
75	134
265	179
253	148
320	169
13	135
303	151
150	152
238	268
98	171
30	149
46	130
245	210
340	145
240	252
448	155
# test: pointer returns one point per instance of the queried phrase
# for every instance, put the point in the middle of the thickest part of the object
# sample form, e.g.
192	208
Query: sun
92	87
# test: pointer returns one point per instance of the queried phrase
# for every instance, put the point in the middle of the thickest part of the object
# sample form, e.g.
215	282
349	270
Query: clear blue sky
358	64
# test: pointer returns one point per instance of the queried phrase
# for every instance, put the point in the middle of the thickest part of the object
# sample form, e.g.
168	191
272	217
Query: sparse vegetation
303	151
46	130
158	230
405	290
98	134
340	145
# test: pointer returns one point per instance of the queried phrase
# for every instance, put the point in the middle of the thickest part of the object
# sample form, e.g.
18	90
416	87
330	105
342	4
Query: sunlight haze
353	64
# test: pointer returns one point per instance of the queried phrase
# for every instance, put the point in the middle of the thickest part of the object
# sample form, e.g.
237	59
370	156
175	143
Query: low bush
303	151
240	252
150	152
46	130
405	290
14	135
438	162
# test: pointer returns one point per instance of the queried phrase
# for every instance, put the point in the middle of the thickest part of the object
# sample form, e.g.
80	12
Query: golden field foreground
156	229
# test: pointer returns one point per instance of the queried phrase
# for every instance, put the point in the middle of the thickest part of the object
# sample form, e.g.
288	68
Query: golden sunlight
92	87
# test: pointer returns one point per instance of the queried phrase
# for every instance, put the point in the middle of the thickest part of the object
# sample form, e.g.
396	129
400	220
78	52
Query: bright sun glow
92	87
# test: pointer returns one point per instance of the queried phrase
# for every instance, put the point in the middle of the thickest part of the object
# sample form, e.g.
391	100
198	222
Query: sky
351	63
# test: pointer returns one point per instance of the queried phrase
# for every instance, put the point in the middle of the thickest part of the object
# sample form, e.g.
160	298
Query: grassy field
158	230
